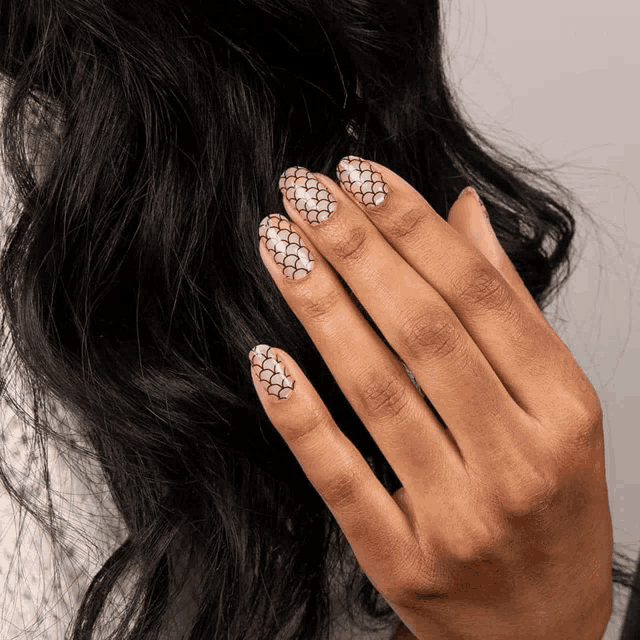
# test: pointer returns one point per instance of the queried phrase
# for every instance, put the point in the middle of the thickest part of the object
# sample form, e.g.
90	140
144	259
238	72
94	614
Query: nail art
286	246
360	179
271	372
312	201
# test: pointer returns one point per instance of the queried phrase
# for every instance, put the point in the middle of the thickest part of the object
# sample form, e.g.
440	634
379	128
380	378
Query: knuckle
577	407
340	490
594	411
306	433
470	549
477	540
530	493
384	397
430	334
318	307
405	224
352	246
588	409
415	574
482	288
584	419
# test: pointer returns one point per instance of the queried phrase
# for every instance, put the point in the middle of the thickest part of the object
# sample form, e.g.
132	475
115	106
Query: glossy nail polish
286	246
360	179
312	201
271	372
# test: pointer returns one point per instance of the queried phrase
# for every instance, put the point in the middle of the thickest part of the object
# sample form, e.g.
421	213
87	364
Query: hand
502	526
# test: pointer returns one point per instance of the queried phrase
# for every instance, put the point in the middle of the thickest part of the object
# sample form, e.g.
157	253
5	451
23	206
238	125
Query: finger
414	318
378	531
370	375
526	354
469	217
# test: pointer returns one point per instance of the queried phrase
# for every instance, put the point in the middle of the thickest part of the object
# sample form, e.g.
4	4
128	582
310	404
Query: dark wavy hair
144	140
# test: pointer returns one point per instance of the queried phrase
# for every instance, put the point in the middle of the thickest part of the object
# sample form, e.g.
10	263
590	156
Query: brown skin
402	633
502	526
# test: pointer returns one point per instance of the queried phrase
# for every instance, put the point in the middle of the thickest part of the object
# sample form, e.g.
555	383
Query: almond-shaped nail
359	178
286	247
271	372
307	194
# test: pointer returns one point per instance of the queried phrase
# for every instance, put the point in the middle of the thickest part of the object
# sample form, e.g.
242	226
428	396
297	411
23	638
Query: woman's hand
502	526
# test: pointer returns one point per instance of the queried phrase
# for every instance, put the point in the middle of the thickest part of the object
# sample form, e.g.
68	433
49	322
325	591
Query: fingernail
309	197
286	247
360	179
271	372
477	197
486	240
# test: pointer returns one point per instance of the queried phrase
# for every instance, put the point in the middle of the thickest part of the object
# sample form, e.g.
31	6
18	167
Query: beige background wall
564	77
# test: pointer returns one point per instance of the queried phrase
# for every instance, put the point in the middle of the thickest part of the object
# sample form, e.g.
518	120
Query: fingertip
454	218
272	370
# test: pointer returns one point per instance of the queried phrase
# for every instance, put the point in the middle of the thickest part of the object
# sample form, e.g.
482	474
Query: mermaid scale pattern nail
360	179
271	372
314	203
286	246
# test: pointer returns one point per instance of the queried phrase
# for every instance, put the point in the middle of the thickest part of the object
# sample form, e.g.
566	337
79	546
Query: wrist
592	626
